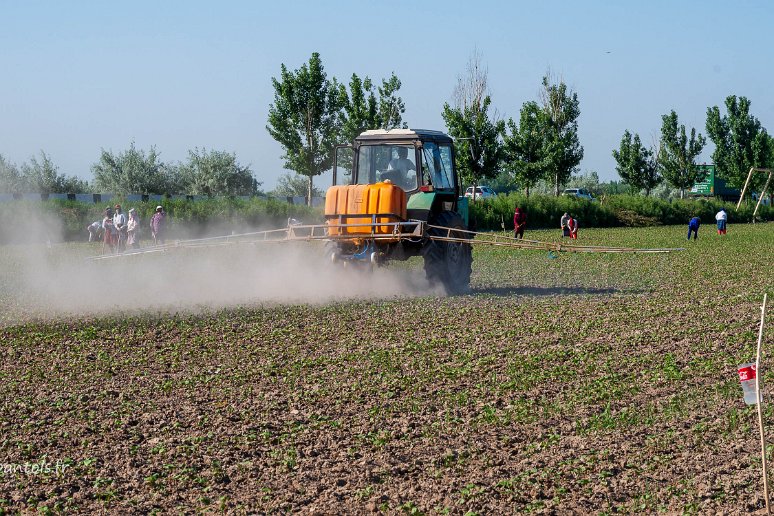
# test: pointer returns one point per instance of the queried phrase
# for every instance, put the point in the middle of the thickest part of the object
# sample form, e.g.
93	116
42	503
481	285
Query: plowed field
583	384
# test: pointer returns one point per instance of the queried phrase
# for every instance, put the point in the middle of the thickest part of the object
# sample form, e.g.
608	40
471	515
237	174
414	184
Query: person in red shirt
572	226
519	221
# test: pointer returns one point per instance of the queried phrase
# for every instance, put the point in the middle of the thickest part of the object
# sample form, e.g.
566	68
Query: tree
361	110
391	106
38	177
678	153
294	186
636	165
476	133
11	180
43	177
524	148
588	181
563	149
305	118
73	184
740	142
132	172
216	173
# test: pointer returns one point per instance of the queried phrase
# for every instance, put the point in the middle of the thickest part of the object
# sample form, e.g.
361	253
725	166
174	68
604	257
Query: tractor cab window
343	171
437	167
396	163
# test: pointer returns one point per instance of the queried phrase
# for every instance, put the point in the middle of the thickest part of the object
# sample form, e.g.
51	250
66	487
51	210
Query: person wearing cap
721	218
133	230
119	221
157	225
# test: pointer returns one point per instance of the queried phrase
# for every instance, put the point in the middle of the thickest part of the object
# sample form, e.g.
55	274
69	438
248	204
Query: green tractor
395	195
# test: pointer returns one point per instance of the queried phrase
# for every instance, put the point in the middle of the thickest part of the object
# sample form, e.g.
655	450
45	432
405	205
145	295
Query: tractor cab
395	195
419	162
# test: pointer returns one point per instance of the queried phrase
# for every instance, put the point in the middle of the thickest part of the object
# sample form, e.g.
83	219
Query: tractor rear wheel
448	263
331	252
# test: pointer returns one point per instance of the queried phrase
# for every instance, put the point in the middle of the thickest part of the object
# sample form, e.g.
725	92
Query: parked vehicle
482	192
580	193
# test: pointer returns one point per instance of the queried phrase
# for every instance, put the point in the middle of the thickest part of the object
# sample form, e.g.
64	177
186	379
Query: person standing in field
572	228
563	224
109	233
519	222
158	225
722	218
693	227
119	221
133	230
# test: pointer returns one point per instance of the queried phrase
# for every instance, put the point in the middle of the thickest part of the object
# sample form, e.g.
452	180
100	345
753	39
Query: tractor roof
404	134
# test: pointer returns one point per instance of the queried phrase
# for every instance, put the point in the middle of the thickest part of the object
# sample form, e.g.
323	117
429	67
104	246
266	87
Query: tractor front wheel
448	263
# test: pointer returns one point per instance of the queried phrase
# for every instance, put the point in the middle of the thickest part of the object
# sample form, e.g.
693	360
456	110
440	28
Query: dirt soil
568	396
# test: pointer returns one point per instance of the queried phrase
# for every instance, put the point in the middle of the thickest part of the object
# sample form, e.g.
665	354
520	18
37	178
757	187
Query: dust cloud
62	280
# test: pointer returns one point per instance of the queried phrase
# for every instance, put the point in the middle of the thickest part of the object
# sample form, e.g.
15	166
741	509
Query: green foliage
133	172
215	173
10	178
361	110
740	142
677	157
38	177
294	186
524	149
305	118
391	106
476	132
544	211
636	165
563	150
588	181
504	182
359	107
476	139
43	177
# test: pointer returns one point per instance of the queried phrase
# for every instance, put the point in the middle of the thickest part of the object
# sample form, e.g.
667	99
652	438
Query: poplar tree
678	153
305	118
740	142
476	132
636	164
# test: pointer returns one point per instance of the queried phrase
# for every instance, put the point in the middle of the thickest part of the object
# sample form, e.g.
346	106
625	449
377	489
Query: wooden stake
744	188
760	412
760	197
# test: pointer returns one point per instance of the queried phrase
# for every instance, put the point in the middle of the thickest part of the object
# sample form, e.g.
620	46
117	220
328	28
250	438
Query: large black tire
448	263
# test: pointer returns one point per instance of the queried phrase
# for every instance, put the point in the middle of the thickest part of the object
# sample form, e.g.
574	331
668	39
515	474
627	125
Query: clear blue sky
84	75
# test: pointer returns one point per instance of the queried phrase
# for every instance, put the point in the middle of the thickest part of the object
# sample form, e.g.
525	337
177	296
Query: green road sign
707	185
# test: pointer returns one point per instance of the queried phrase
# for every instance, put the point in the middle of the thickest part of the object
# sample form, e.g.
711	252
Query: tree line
311	113
741	143
134	171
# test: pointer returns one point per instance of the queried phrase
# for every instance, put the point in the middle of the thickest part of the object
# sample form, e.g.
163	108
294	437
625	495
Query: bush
544	211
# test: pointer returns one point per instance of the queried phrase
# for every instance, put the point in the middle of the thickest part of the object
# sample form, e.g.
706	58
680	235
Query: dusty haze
60	280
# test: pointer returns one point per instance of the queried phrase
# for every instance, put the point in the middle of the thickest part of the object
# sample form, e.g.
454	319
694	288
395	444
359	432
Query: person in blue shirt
693	226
